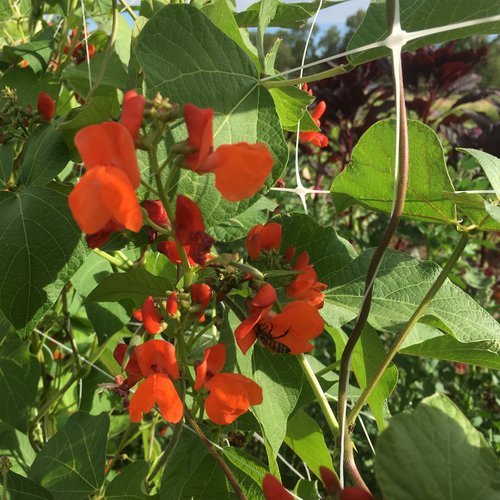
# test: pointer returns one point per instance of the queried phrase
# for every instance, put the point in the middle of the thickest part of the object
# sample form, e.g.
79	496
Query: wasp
263	334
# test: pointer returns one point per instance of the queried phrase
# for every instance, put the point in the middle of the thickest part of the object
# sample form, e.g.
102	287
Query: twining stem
419	312
376	259
127	7
211	448
120	447
338	70
108	51
69	331
320	395
169	451
350	465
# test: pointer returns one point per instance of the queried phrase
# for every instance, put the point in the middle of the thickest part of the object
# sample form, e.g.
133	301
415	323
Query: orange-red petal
274	490
151	316
231	394
172	304
132	369
133	112
245	335
263	237
240	169
157	356
188	219
108	143
212	363
199	122
46	106
157	388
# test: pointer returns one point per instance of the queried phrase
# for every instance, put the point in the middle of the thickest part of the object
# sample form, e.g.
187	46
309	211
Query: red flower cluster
231	394
240	169
104	200
189	230
79	54
316	138
155	361
263	238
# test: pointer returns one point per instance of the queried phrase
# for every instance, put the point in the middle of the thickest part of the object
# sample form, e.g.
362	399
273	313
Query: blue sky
336	14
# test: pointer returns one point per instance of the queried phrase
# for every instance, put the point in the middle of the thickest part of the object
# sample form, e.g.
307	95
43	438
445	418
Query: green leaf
428	342
96	111
305	438
489	163
267	11
41	249
19	375
22	488
220	12
369	177
281	379
367	357
307	490
135	285
128	484
248	470
237	227
435	453
421	15
400	287
244	111
327	251
291	105
494	212
293	15
17	448
107	318
45	157
476	210
71	464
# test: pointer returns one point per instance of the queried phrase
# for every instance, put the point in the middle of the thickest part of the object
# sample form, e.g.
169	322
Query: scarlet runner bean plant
165	330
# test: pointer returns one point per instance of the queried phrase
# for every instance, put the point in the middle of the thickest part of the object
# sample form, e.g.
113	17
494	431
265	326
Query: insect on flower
263	334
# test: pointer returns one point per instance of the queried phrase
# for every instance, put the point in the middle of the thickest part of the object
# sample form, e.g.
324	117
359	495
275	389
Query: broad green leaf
435	453
248	470
267	10
128	484
428	342
369	177
96	111
71	464
19	375
475	210
237	227
367	357
288	15
17	448
307	490
327	251
494	212
115	76
45	157
106	318
28	84
22	488
220	12
400	287
489	163
135	285
422	15
281	379
291	105
305	438
244	111
41	249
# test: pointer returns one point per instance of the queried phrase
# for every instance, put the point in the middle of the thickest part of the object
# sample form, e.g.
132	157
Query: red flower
133	112
151	316
46	106
298	323
231	394
199	124
157	388
201	294
157	214
190	230
240	169
157	356
99	239
306	285
315	138
290	252
263	300
332	485
105	194
274	490
172	304
169	249
263	237
132	369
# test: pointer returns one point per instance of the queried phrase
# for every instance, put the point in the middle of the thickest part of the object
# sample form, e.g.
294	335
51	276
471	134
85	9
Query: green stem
419	312
113	260
338	70
124	258
127	7
211	449
328	368
69	331
199	334
108	51
320	395
121	446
